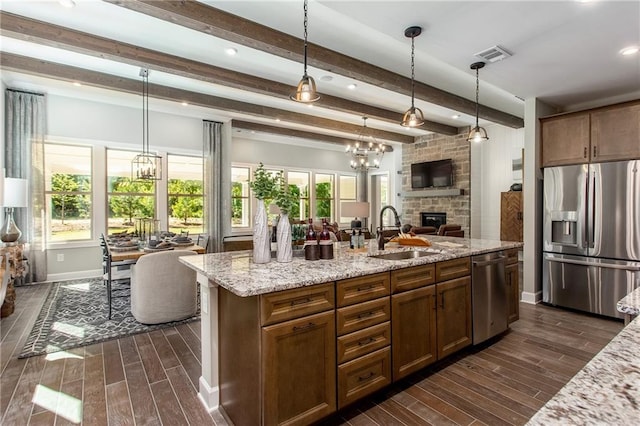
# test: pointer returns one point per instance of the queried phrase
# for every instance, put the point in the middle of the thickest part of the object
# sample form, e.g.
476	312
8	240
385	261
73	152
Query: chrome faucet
380	237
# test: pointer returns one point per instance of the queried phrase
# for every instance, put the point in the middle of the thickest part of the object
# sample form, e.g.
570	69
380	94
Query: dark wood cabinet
299	354
512	277
511	216
453	315
609	133
413	334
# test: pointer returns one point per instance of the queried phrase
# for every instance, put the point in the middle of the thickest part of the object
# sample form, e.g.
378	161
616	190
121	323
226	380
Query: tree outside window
324	196
185	193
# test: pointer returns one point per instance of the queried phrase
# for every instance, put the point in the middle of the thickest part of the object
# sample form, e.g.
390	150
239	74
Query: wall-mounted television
432	174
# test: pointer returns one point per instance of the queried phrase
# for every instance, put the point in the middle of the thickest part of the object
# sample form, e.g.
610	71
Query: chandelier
366	153
146	165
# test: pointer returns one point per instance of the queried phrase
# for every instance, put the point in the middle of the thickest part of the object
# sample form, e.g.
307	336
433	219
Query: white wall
491	174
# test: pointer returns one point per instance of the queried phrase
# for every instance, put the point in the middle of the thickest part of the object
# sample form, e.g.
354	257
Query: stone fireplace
432	219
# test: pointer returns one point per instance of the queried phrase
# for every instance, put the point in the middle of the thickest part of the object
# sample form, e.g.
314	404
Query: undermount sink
404	255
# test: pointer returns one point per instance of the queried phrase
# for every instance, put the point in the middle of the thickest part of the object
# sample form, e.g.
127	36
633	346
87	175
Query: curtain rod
24	91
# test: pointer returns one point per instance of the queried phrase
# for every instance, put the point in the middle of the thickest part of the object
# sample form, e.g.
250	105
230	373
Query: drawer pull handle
366	314
367	377
366	341
300	301
366	287
304	327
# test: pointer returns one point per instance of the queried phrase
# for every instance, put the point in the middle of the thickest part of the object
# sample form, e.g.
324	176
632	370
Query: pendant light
366	153
146	166
306	90
413	117
477	134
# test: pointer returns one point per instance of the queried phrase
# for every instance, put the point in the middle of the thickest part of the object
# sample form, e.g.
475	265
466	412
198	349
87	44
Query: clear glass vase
261	237
10	232
285	250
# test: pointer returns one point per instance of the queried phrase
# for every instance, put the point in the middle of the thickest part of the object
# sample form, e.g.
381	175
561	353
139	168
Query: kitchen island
340	311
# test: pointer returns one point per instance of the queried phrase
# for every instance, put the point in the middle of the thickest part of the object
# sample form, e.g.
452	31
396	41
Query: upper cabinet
604	134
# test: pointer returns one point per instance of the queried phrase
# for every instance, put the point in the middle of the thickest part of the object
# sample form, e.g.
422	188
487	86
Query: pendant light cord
305	37
145	112
413	84
477	95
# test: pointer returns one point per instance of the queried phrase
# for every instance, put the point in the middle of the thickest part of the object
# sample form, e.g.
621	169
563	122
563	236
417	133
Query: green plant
286	196
264	184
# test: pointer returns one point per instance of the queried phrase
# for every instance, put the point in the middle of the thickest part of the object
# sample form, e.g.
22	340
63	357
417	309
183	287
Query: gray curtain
213	153
25	117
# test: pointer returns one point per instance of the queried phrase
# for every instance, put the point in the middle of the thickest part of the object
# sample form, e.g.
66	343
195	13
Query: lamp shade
16	192
354	209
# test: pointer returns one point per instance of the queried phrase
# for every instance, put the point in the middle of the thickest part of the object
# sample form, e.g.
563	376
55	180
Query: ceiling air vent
493	54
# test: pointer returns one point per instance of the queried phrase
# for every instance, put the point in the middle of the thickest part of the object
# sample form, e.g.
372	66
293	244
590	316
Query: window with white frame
185	193
347	185
240	201
68	191
324	196
127	199
299	182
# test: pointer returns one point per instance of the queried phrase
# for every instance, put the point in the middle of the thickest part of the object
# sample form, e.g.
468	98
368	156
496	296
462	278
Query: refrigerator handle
592	218
585	237
597	265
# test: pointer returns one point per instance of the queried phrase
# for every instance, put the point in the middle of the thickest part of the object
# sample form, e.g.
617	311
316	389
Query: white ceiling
564	52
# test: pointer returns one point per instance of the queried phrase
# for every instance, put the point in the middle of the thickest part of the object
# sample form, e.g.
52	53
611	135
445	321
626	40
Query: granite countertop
605	391
236	272
630	304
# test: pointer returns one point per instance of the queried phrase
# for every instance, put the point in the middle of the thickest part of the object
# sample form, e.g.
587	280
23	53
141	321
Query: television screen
432	174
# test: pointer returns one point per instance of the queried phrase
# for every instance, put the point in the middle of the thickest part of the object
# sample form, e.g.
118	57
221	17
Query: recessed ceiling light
185	103
310	105
630	50
231	51
77	84
253	132
352	86
277	119
67	3
326	78
455	116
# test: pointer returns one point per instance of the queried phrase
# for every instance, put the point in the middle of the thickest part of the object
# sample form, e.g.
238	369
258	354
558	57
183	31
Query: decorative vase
10	232
283	240
261	240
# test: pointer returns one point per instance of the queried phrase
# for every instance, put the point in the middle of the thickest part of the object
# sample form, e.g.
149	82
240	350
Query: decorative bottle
311	251
326	245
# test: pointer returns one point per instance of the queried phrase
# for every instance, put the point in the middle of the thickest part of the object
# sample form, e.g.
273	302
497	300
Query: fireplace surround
433	219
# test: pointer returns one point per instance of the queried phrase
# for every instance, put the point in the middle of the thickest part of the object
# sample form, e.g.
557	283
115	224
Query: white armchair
162	288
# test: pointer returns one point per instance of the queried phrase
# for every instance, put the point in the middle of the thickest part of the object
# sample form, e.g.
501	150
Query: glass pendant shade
306	91
477	133
413	117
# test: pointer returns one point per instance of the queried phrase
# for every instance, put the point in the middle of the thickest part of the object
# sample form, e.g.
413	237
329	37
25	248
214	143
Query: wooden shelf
450	192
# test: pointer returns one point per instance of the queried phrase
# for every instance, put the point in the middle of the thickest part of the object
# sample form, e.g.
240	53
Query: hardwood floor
152	378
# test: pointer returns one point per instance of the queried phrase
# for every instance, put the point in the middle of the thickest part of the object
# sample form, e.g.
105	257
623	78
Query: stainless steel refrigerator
591	238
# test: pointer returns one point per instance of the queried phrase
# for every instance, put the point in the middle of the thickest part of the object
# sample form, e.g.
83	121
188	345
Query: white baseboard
210	397
531	298
95	273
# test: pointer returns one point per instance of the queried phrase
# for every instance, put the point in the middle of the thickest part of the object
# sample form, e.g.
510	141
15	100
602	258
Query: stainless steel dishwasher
489	296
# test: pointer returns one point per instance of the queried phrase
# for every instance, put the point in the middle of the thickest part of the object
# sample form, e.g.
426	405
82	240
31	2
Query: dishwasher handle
499	259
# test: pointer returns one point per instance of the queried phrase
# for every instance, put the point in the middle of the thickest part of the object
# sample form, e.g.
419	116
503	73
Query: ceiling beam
35	31
265	128
68	73
209	20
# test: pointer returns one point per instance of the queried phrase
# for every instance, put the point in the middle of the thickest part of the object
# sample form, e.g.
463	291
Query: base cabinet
512	277
299	354
453	315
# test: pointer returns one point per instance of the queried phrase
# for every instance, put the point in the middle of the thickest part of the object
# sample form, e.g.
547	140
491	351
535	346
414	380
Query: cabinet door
454	315
413	330
299	367
565	140
511	216
615	133
513	292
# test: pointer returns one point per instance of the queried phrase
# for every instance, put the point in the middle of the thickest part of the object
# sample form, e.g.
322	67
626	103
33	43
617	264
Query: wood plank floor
152	378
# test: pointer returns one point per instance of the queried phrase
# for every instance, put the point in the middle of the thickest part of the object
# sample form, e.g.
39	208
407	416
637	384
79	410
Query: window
68	192
299	182
347	190
240	197
185	193
324	196
126	199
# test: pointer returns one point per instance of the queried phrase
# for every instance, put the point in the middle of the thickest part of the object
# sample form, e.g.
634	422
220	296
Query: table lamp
16	193
356	209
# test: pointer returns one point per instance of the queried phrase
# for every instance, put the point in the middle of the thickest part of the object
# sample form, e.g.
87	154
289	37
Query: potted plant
264	186
285	198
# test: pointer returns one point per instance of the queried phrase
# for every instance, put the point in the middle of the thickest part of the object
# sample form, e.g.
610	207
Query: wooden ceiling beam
92	78
209	20
276	130
31	30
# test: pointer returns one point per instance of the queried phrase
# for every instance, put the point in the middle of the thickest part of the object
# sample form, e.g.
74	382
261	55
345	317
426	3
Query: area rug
75	313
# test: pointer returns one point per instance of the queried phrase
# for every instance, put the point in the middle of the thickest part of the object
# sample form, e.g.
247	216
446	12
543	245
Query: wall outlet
60	257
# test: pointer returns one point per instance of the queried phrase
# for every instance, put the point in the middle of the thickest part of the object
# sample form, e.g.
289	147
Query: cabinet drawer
454	268
362	315
410	278
363	342
290	304
512	256
364	375
361	289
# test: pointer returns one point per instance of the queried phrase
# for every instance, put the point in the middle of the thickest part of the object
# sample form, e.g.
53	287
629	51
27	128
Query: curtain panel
214	160
25	127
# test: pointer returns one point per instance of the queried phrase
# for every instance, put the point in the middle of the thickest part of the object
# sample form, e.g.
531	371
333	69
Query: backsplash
437	147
